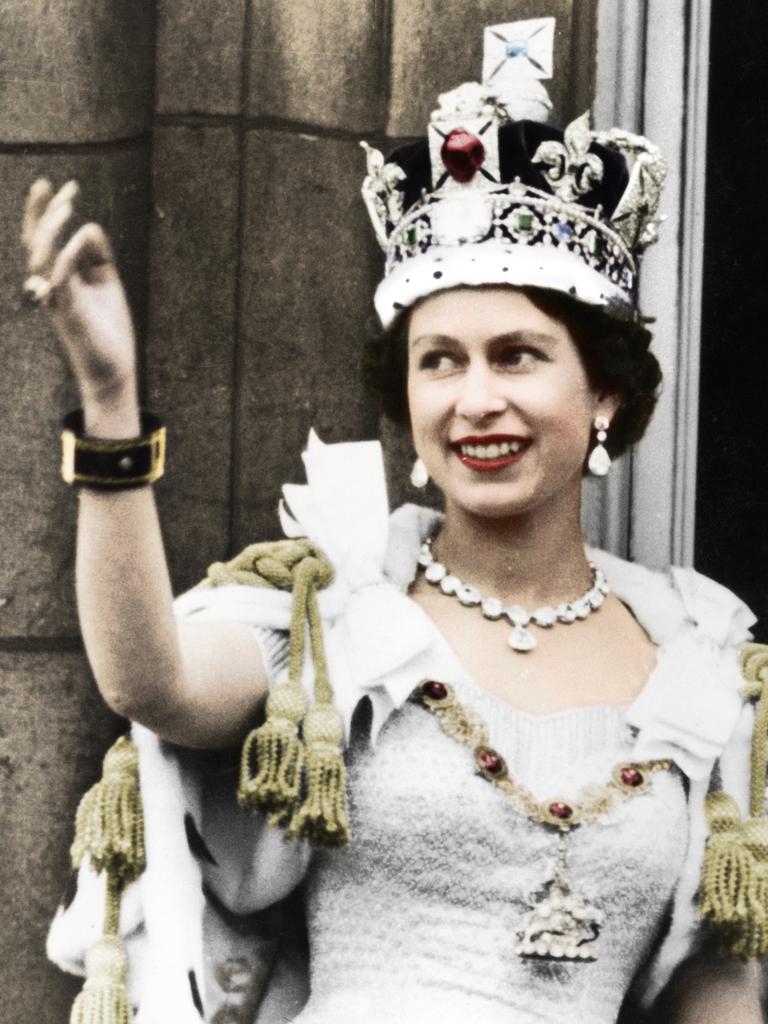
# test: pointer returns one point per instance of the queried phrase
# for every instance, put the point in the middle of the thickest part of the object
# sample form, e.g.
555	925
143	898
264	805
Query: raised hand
78	283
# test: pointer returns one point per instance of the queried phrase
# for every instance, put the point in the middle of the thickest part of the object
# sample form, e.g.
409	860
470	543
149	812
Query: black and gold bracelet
112	465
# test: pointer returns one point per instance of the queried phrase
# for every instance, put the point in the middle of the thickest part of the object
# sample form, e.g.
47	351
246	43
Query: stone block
437	46
76	70
318	62
37	510
309	266
199	57
190	349
54	730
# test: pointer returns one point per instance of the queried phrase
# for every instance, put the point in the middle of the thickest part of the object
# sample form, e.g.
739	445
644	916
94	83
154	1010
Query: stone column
75	91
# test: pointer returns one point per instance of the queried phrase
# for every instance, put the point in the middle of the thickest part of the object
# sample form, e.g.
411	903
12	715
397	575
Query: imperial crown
493	196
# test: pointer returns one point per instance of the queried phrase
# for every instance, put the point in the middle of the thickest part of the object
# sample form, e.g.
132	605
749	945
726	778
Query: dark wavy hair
614	347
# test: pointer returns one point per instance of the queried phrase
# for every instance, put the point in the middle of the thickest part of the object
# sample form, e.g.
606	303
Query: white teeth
491	451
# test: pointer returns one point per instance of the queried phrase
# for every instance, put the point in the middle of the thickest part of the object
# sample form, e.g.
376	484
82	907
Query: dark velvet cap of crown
518	142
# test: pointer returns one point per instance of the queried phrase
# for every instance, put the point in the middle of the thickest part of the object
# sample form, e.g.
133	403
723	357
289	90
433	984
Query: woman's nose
481	393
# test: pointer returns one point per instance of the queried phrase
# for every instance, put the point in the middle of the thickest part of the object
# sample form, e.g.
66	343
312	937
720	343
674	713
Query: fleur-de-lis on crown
572	169
382	194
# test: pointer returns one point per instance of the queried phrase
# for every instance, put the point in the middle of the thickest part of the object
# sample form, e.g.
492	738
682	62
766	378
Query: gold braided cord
464	725
112	905
323	690
754	665
292	767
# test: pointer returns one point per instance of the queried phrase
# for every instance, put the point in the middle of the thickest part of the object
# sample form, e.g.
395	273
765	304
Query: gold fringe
733	892
727	875
109	825
272	759
104	997
322	817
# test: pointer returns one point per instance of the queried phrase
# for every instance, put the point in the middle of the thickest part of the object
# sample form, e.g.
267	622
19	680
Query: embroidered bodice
442	873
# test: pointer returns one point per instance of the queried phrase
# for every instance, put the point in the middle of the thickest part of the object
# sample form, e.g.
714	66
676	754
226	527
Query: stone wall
219	143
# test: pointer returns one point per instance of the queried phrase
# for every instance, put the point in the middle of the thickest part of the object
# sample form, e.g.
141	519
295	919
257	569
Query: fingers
46	216
86	253
47	232
38	197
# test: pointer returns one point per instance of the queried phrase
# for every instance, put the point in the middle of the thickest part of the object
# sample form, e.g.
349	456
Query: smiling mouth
489	453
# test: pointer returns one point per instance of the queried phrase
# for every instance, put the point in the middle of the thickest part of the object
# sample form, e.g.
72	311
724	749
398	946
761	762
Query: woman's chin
492	500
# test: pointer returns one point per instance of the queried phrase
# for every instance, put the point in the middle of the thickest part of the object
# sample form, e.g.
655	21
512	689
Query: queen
435	765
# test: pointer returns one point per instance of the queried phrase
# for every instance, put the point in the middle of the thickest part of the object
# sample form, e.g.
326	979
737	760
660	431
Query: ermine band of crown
519	214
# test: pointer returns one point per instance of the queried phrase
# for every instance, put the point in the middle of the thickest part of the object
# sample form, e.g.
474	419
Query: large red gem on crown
463	153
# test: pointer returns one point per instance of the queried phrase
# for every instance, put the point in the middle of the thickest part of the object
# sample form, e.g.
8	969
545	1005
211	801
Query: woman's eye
437	361
519	358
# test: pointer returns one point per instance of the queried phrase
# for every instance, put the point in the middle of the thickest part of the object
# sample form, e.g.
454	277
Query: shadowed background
219	144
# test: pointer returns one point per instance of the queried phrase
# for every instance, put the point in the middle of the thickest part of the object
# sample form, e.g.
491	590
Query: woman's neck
533	559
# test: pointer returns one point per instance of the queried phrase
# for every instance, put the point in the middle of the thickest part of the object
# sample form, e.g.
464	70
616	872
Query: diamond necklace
520	639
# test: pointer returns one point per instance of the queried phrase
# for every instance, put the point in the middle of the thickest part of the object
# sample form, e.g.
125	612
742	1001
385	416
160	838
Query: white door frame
652	67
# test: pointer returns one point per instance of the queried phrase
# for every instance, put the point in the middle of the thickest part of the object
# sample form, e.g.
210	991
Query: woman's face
500	405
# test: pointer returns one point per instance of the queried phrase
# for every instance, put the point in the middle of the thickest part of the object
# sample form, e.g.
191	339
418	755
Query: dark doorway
732	489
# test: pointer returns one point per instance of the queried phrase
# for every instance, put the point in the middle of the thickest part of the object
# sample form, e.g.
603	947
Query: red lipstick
485	465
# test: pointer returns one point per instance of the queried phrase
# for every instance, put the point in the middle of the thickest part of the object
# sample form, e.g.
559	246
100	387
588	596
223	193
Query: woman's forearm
124	594
197	685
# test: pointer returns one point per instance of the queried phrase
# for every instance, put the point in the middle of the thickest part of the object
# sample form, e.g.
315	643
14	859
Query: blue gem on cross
517	48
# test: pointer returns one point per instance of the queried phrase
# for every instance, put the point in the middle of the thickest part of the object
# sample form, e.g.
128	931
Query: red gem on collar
435	690
562	811
463	153
632	777
490	761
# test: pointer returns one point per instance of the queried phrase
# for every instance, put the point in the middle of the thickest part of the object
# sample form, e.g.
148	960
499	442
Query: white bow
374	635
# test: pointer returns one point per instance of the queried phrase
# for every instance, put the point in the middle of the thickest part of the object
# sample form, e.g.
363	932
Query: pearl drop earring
419	474
599	459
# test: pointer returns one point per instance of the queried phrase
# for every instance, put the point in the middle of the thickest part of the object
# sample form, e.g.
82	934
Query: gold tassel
753	940
109	825
272	758
727	873
734	882
109	828
104	997
322	817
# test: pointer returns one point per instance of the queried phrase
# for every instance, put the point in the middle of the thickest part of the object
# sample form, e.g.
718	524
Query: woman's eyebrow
433	339
525	337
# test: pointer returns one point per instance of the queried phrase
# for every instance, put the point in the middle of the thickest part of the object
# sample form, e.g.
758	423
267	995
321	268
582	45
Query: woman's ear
607	405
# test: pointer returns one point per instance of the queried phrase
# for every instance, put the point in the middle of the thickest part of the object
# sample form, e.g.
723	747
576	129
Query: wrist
113	413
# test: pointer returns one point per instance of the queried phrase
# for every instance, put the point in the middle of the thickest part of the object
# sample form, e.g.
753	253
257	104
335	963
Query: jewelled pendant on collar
562	924
520	639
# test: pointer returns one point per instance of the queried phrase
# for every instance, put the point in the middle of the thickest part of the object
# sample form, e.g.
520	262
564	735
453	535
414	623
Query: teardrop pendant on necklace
520	639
